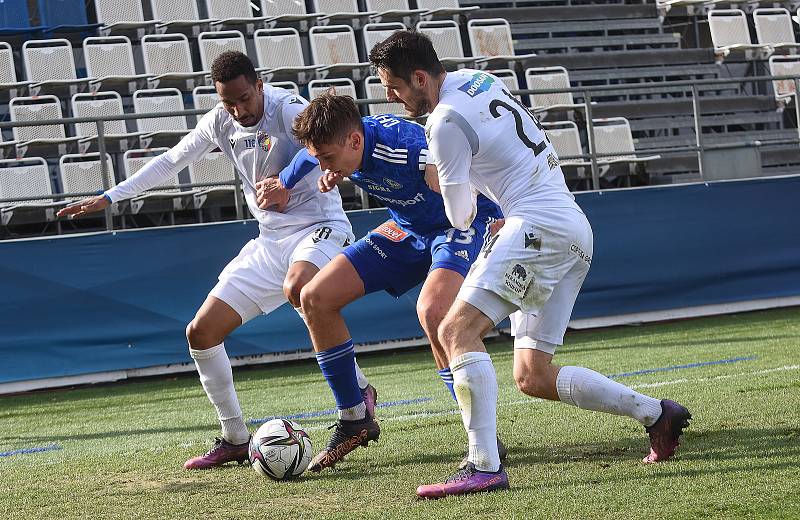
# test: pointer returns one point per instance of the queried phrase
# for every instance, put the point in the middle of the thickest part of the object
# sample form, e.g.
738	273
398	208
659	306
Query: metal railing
586	92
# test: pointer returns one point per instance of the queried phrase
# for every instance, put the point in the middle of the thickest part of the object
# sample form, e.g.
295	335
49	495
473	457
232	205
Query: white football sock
475	385
216	377
362	379
589	390
355	413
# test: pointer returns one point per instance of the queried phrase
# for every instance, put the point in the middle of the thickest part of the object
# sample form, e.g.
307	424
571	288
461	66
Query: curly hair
404	52
232	64
327	119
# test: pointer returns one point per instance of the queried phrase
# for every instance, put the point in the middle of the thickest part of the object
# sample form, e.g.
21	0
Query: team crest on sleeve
264	140
480	82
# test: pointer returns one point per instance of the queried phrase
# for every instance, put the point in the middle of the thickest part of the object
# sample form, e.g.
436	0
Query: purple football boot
370	396
221	452
465	481
666	431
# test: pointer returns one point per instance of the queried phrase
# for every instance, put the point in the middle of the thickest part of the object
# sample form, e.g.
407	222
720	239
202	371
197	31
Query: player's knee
430	316
311	300
200	335
292	290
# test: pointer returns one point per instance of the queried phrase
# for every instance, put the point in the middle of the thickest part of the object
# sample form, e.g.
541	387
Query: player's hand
271	195
496	226
328	180
90	205
432	178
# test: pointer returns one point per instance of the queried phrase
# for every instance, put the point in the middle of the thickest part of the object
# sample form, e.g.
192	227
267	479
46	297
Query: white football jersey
480	134
260	151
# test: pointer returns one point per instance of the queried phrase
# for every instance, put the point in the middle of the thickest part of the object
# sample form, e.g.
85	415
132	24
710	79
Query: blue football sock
338	367
447	379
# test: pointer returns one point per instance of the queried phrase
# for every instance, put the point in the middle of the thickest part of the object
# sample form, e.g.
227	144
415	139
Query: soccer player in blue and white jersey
481	137
386	156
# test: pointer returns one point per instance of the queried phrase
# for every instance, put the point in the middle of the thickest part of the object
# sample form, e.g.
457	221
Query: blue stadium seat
15	19
62	16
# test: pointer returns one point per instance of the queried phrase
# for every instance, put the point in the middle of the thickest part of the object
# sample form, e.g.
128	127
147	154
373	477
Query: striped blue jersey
393	171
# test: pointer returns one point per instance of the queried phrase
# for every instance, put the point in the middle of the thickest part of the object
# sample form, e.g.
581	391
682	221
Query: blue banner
121	300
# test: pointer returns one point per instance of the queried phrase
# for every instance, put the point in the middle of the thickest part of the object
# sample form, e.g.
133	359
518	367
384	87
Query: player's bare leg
475	385
435	299
322	299
206	334
537	376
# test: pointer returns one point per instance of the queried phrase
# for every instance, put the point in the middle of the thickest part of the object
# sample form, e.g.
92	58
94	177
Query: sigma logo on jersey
374	186
390	155
390	230
479	83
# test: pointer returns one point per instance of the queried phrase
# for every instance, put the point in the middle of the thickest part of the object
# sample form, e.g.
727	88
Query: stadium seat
374	90
50	66
393	10
44	140
214	167
341	12
729	33
491	43
612	136
540	78
9	86
441	9
774	28
375	33
230	14
334	48
283	12
28	177
109	60
509	79
212	44
168	62
288	85
566	141
123	17
784	65
178	16
159	131
446	38
15	21
166	197
83	173
205	98
342	87
100	104
64	17
693	7
280	55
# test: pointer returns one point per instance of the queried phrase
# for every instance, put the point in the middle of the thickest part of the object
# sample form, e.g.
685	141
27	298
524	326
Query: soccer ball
280	450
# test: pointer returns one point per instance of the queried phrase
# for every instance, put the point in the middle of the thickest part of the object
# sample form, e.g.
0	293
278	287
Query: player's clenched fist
90	205
328	180
271	195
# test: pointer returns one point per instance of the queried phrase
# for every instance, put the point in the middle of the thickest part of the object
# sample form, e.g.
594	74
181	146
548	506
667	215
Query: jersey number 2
493	109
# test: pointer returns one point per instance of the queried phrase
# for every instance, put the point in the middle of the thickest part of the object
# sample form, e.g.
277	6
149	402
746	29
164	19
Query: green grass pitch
123	445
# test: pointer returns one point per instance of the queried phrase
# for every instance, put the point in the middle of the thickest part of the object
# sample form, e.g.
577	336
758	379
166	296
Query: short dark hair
232	64
327	119
404	52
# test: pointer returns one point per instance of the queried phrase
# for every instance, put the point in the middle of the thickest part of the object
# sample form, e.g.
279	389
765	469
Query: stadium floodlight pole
698	129
587	99
101	147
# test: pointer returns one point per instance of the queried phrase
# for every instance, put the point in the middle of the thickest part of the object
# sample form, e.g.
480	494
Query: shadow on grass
709	446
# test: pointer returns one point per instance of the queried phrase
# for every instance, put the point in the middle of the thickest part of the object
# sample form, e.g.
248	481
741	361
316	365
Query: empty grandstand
631	92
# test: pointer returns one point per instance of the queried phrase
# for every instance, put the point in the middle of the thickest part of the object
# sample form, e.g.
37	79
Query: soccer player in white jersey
482	137
252	126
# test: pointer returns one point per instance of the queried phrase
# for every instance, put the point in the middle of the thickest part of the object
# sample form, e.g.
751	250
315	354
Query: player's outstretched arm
90	205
